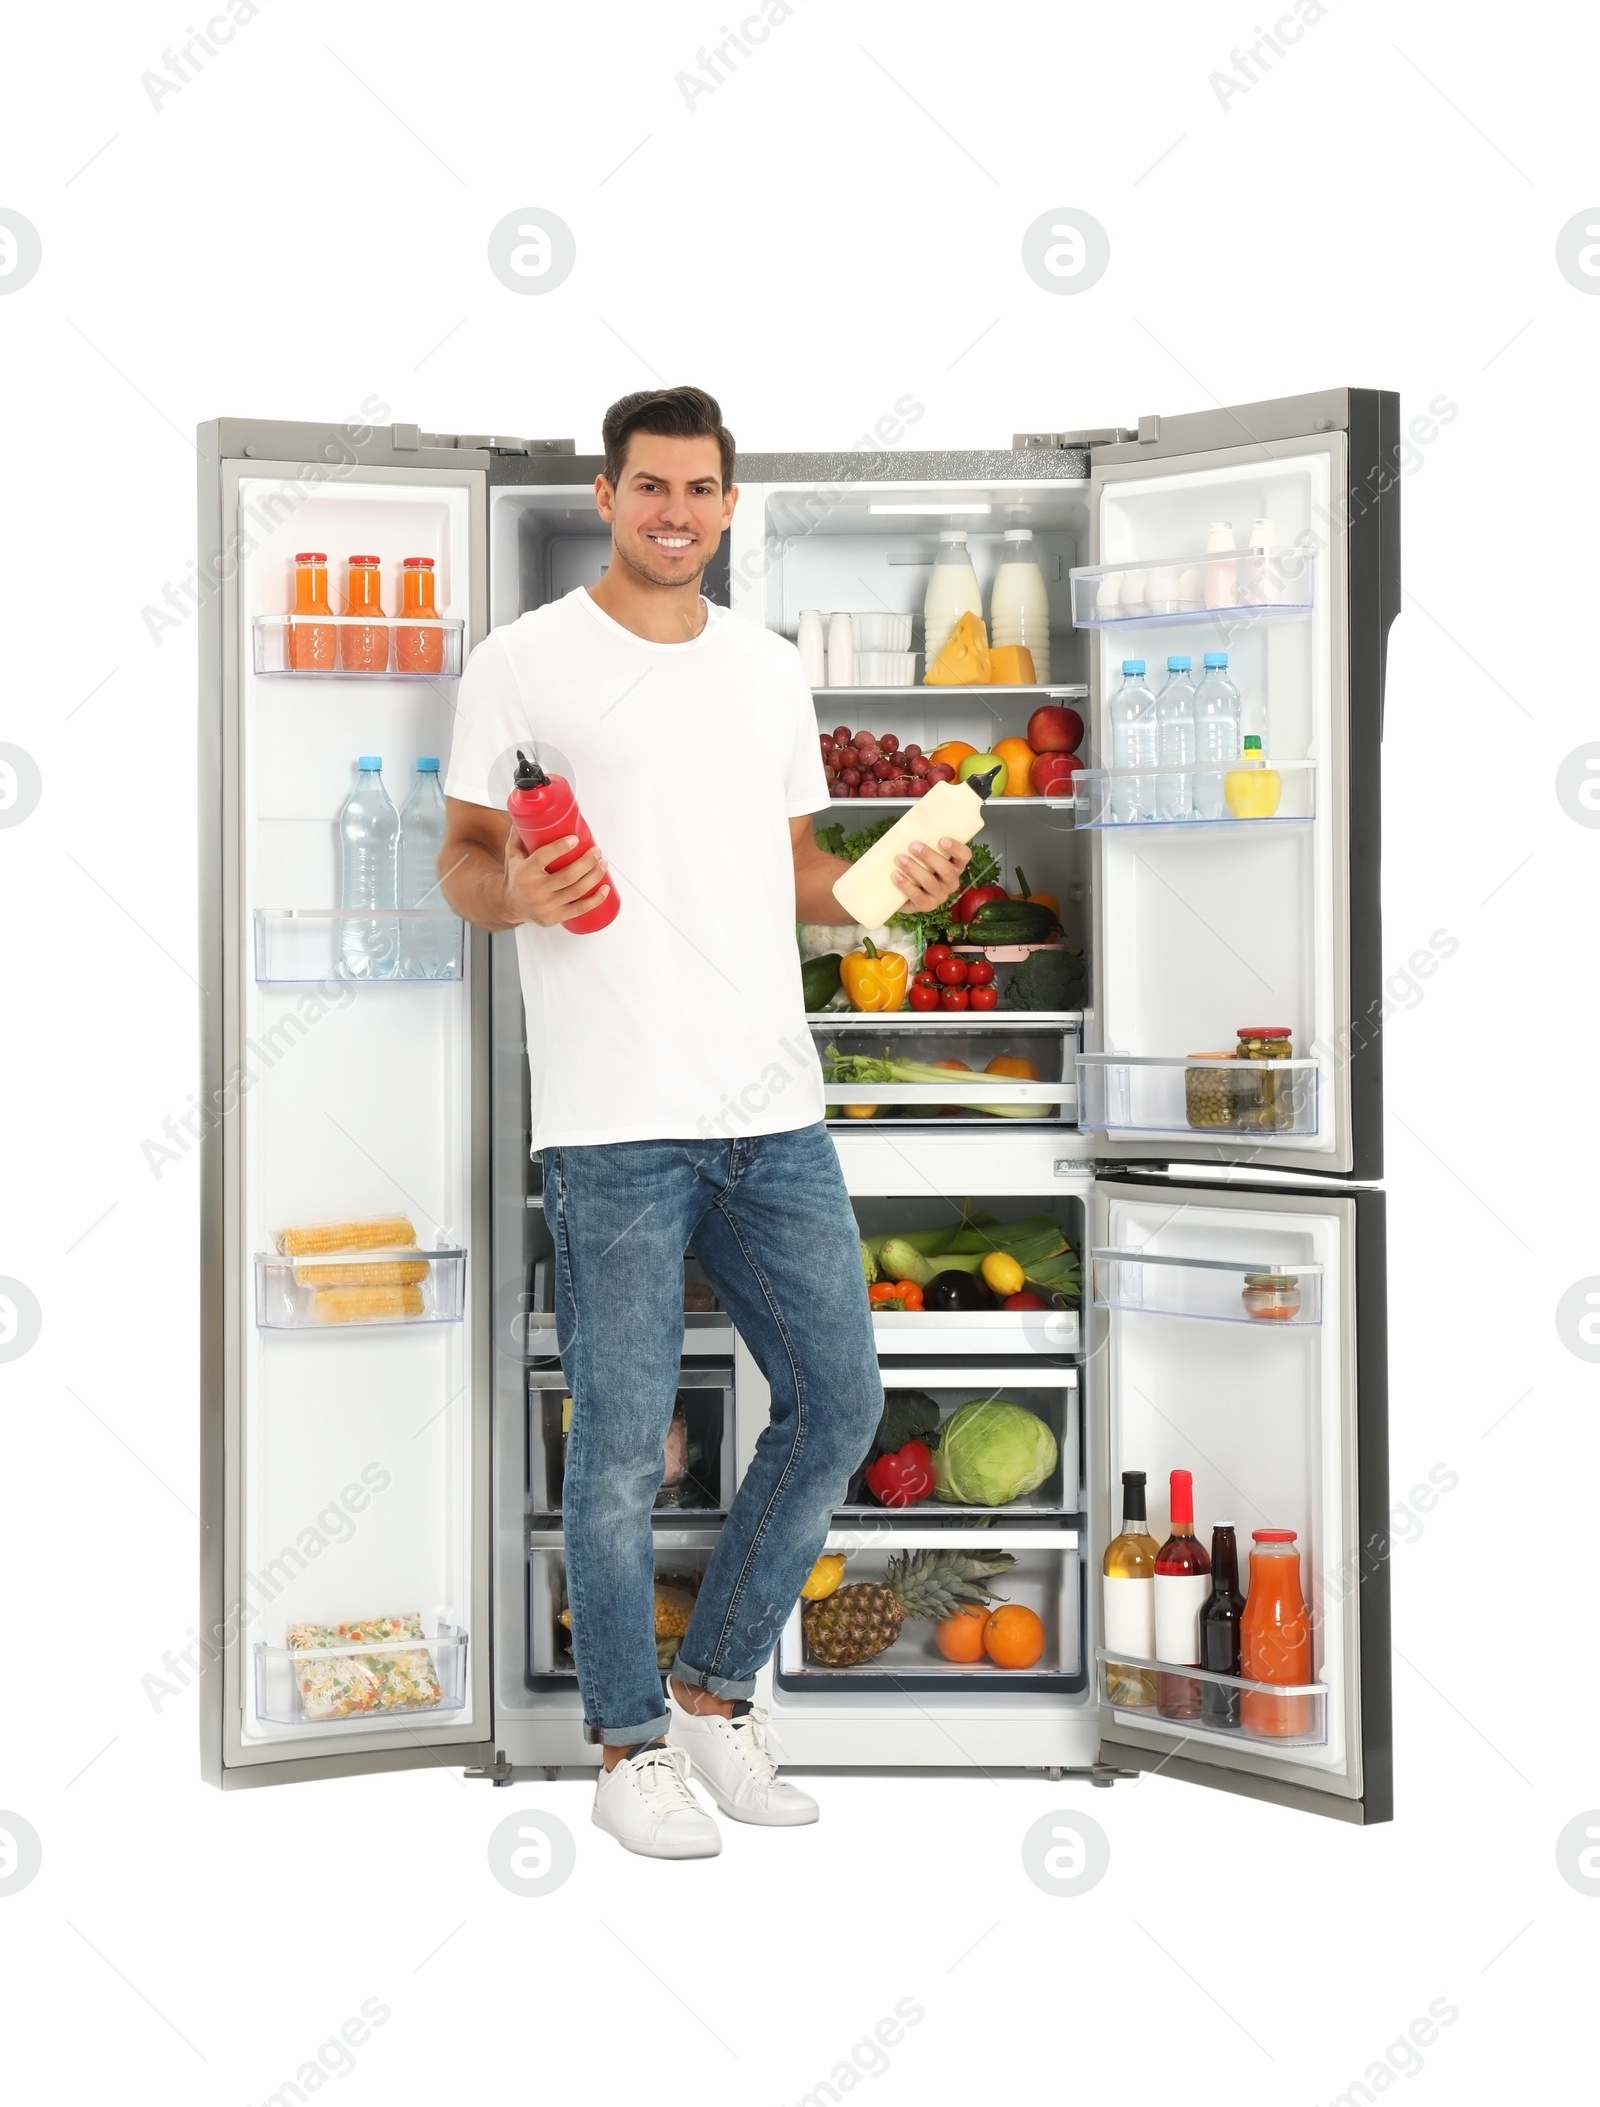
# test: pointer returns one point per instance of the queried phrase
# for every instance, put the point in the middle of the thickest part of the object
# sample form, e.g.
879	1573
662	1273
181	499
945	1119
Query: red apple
1024	1299
1054	729
1053	774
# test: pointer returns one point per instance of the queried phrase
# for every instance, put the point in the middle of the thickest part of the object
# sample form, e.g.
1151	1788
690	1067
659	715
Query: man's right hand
535	893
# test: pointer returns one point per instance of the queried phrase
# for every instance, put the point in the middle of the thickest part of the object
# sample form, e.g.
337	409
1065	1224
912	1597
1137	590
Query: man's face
669	510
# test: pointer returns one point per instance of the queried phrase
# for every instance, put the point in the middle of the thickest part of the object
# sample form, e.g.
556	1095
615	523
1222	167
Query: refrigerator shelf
289	1291
281	1701
1009	804
1053	691
1018	1332
1095	807
1185	1094
410	650
1298	1712
304	944
1241	585
1159	1283
990	1022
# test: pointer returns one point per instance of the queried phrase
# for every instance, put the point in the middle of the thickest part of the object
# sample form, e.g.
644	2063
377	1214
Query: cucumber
1012	922
819	980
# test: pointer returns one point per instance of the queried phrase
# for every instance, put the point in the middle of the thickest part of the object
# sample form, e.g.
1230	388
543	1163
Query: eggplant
955	1291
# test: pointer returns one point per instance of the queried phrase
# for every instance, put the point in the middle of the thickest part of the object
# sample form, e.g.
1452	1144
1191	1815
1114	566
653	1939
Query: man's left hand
930	876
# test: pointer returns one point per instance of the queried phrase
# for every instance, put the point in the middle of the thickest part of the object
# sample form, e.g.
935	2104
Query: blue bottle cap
427	764
1216	658
1133	665
369	761
1178	665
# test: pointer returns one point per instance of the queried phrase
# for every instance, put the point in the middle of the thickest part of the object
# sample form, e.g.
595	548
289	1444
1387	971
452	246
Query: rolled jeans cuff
718	1685
627	1737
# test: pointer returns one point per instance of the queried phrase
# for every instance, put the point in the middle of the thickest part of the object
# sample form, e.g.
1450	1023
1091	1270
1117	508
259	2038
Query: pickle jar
1271	1296
1265	1100
1208	1093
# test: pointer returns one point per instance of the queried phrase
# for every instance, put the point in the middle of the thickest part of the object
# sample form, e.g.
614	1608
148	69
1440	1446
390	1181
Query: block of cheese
867	891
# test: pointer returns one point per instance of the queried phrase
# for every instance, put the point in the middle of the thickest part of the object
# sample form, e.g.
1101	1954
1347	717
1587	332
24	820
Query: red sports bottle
543	809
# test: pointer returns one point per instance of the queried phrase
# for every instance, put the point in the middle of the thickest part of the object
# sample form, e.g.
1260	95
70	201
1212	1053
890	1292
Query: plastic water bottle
369	834
1217	712
1175	740
1133	745
428	945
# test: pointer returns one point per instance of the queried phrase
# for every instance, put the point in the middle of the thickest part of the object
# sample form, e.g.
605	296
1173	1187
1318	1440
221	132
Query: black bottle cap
983	784
529	774
1133	1496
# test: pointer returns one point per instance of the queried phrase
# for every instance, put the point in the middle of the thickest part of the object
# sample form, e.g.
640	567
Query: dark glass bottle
1219	1630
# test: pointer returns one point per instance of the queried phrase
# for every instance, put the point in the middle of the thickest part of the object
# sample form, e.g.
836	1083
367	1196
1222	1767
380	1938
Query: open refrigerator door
1240	1336
345	1409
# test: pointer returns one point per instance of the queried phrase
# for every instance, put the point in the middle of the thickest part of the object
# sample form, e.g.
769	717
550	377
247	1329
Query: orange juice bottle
313	646
418	650
1275	1637
364	646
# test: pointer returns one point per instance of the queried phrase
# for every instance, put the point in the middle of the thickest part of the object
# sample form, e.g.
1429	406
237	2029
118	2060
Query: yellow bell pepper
874	979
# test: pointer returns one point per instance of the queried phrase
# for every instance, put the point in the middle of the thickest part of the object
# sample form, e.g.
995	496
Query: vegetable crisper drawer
1049	1393
697	1458
864	1059
681	1559
1045	1580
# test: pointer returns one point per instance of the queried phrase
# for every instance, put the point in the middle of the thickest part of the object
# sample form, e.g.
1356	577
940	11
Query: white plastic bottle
1217	734
1133	745
1222	579
1019	601
841	652
428	946
952	593
811	639
369	835
1175	741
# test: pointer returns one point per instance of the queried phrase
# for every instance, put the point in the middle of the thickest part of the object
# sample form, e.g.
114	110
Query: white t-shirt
684	1017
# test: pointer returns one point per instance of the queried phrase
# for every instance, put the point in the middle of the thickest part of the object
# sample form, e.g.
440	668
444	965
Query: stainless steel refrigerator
397	1455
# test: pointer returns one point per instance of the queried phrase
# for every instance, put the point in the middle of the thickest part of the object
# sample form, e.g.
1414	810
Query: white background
304	225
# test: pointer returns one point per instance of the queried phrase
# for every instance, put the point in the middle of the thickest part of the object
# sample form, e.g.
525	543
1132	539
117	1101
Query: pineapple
857	1623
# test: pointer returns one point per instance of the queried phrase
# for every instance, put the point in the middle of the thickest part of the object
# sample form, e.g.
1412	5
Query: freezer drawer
682	1556
1046	1579
700	1451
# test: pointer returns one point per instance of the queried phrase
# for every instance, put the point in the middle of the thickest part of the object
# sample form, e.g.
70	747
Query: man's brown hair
672	413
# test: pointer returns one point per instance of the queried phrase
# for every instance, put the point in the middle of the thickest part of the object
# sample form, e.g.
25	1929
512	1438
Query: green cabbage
990	1453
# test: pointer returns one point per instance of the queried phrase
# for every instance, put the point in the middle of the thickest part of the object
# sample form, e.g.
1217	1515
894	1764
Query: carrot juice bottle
364	646
313	646
418	650
1275	1637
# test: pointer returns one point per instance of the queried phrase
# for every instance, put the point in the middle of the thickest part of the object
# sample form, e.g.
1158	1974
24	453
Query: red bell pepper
903	1477
973	898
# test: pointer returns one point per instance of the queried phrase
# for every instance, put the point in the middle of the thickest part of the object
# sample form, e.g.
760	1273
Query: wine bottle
1129	1567
1182	1584
1219	1630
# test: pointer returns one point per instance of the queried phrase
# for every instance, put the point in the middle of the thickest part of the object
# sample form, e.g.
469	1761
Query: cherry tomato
951	972
979	972
984	997
924	995
924	979
933	954
953	998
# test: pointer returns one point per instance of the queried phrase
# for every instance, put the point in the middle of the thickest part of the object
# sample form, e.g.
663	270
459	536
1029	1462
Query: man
676	1098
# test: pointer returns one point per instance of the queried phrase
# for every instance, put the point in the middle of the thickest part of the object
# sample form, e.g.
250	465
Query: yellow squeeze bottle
1253	790
867	891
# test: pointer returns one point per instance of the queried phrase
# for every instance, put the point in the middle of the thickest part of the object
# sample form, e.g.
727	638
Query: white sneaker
646	1804
734	1761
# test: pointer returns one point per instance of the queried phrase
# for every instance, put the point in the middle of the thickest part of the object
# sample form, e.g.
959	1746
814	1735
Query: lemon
824	1577
1001	1272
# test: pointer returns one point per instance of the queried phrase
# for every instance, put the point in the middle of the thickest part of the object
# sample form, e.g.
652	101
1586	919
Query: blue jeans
771	1225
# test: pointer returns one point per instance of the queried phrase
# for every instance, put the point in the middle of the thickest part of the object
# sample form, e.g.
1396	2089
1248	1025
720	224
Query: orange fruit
1013	1065
959	1637
952	753
1017	754
1013	1636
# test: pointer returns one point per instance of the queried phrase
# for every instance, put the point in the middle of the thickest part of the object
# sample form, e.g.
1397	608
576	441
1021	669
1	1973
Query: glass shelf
348	1291
1002	805
1231	1291
362	1685
1123	798
356	647
296	944
1212	1093
1200	1703
984	691
1242	585
988	1022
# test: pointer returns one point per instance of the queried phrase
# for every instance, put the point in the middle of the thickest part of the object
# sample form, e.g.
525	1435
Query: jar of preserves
1208	1093
1265	1100
1271	1296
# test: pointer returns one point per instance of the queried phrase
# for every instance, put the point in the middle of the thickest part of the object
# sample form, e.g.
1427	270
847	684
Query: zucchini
819	980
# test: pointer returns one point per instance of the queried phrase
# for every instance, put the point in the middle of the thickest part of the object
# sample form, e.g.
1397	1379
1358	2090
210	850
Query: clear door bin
332	1681
1197	1094
1198	1703
1239	585
1231	1291
1051	1395
1284	793
343	1293
853	1045
295	944
1046	1579
410	650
